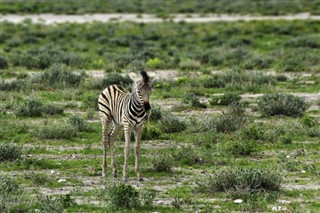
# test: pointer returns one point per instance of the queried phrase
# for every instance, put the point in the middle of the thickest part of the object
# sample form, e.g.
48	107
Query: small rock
237	201
303	171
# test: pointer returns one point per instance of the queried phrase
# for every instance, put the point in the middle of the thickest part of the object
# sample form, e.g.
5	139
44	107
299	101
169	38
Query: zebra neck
136	102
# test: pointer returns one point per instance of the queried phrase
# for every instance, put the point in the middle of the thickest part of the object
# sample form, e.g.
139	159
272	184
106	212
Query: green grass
211	138
163	9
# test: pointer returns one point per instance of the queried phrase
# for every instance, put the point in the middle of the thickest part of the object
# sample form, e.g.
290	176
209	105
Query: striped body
119	109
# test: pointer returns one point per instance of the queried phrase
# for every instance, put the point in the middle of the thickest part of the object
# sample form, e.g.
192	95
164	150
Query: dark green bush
233	120
15	85
156	113
90	101
239	181
162	162
44	57
225	99
52	109
192	100
10	152
242	148
116	78
56	132
59	76
78	123
259	132
151	132
3	63
308	121
121	196
171	124
186	155
30	107
281	104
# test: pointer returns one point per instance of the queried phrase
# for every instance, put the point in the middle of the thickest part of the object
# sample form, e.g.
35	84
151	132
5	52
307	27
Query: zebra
127	110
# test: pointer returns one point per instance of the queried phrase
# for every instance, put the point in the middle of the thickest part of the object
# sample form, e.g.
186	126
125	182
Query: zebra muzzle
146	106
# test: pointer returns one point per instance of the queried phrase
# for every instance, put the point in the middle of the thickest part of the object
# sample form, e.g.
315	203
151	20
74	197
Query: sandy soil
147	18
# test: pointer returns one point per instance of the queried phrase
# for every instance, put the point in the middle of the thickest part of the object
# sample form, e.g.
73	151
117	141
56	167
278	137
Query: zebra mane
145	76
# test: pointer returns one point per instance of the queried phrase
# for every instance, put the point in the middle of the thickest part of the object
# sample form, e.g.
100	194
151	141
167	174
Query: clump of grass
56	132
189	64
77	122
171	124
186	155
3	63
34	107
121	196
10	152
151	132
58	76
54	204
16	85
162	162
225	99
258	132
37	178
156	113
30	107
192	100
233	120
241	147
116	78
308	121
241	181
281	104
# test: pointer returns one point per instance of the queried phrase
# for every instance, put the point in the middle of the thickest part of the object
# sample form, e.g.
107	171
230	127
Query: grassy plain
164	8
48	96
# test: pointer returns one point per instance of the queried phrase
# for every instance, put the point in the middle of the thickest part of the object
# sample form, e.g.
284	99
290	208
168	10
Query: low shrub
3	63
15	85
77	122
52	110
162	162
56	132
308	121
55	204
156	113
154	64
171	124
186	155
241	148
10	152
192	100
241	181
281	104
151	132
206	139
30	107
259	132
116	78
59	76
233	120
90	101
225	99
189	64
121	196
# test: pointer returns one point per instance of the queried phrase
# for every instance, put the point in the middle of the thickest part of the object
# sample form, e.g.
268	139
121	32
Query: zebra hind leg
112	135
105	138
127	132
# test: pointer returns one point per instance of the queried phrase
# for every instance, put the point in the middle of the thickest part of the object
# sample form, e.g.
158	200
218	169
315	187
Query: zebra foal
127	110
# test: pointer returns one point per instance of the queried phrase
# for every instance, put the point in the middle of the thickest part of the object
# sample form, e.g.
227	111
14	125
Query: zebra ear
145	76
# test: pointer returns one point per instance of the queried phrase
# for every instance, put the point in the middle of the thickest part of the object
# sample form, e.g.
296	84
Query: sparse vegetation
10	152
281	104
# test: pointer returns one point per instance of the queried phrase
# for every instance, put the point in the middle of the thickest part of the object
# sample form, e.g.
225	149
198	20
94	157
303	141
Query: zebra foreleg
112	136
127	132
138	133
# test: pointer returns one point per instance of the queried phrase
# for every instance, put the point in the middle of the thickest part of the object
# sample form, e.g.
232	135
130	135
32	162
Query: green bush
59	76
233	120
3	63
225	99
15	85
156	113
192	100
259	132
121	196
151	132
56	132
90	101
46	56
189	64
171	124
30	107
54	204
186	155
242	148
77	122
52	110
116	78
240	181
10	152
281	104
308	121
162	162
